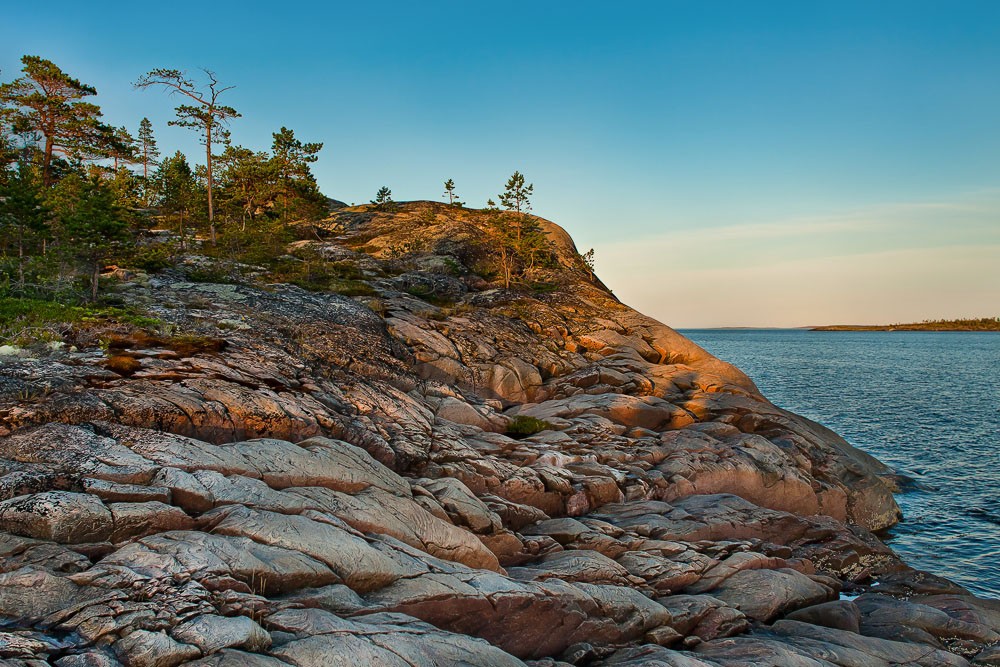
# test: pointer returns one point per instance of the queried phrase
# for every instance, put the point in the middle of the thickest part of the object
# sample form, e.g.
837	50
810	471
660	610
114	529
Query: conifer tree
206	115
148	152
22	215
588	263
383	198
46	105
248	183
516	194
292	158
449	191
178	192
90	224
122	148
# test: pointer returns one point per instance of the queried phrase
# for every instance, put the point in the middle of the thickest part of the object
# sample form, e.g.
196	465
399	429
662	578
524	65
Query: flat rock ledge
341	487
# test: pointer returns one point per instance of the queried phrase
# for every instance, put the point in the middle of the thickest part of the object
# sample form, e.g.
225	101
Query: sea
925	403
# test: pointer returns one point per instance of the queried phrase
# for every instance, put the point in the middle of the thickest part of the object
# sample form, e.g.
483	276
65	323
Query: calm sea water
927	404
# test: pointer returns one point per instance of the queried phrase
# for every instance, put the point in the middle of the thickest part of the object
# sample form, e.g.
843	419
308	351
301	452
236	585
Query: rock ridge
440	472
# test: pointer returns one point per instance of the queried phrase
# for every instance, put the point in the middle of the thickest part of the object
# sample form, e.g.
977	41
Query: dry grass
123	364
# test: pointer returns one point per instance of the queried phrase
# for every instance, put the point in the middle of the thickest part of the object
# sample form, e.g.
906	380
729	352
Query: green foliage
298	193
206	115
543	287
522	426
518	246
89	223
383	199
23	217
217	274
178	194
27	321
454	267
407	248
587	259
964	324
310	271
46	108
427	294
248	185
516	194
150	258
147	149
449	192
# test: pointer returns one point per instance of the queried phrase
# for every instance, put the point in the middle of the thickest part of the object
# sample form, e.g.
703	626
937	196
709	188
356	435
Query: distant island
974	324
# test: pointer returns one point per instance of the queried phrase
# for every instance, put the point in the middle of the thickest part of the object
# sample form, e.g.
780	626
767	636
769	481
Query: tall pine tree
47	104
148	152
292	158
206	115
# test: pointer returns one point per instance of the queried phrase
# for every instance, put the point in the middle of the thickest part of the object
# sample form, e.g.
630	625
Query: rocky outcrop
445	473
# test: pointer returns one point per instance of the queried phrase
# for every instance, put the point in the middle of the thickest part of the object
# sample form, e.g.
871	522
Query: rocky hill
436	471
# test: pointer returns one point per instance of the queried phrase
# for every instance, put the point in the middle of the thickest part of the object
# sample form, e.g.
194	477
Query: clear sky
733	163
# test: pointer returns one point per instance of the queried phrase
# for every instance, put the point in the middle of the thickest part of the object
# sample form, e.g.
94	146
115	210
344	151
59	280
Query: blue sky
733	163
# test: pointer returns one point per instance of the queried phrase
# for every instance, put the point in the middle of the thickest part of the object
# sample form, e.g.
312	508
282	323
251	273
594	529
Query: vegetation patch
185	345
522	426
123	364
26	321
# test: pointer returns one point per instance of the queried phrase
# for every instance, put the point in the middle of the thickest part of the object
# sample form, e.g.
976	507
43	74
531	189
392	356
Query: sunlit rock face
441	472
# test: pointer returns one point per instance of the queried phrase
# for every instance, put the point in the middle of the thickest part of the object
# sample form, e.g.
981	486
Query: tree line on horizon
77	193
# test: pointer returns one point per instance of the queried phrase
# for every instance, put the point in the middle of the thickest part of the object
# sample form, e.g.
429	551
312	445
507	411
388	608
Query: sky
733	163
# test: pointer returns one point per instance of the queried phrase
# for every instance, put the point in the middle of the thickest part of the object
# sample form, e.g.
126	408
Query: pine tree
122	148
206	115
588	263
22	215
516	194
90	224
48	104
178	192
449	192
292	158
148	152
248	183
383	199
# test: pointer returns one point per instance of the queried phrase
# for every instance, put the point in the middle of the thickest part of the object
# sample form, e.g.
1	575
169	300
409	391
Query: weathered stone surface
838	614
354	561
765	594
375	511
330	481
153	649
213	633
582	566
234	658
111	492
377	640
59	516
882	649
319	462
185	490
518	617
462	506
909	620
133	520
207	557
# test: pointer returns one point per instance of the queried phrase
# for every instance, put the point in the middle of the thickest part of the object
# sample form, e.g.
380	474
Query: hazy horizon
782	164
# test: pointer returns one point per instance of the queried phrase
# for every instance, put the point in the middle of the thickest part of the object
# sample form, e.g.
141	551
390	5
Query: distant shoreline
983	324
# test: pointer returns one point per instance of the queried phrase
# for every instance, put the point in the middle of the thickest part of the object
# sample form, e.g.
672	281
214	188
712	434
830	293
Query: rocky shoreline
342	480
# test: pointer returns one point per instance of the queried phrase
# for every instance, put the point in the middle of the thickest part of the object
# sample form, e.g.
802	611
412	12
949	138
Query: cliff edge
430	469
